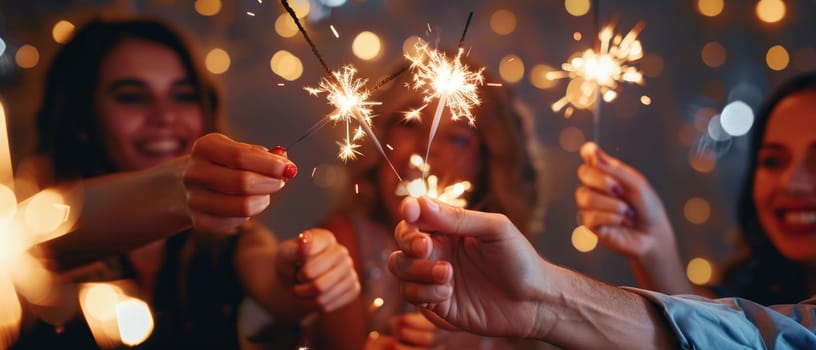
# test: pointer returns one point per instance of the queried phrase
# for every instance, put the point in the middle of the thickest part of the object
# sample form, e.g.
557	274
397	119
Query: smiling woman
129	114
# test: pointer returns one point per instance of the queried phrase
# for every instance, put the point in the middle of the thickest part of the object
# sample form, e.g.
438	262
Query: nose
162	114
801	178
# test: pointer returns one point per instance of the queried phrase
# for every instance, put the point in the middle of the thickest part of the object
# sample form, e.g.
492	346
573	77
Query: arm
215	189
620	206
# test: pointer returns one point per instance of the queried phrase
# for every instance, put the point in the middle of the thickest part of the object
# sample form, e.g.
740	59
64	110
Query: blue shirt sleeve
735	323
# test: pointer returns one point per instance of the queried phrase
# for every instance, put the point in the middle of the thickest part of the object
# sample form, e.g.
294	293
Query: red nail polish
279	150
289	172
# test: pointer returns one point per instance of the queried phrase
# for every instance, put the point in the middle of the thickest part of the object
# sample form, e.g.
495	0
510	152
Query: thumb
437	217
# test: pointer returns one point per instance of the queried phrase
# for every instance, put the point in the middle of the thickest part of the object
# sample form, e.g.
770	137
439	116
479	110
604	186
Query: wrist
169	178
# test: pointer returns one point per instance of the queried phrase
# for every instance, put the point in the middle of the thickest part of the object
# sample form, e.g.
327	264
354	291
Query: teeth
161	146
800	217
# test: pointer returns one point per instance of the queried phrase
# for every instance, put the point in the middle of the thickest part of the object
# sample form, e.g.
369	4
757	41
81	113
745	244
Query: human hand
620	206
318	270
227	182
468	270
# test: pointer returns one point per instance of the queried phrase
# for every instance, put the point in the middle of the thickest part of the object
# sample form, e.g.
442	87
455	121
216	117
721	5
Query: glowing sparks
389	147
494	84
357	188
250	13
349	97
592	73
450	81
429	187
414	114
334	31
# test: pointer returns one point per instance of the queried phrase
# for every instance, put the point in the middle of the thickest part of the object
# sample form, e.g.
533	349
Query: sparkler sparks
349	97
429	187
595	74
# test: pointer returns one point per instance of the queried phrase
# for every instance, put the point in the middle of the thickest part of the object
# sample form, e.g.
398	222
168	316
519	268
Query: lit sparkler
595	75
348	95
429	187
350	99
447	80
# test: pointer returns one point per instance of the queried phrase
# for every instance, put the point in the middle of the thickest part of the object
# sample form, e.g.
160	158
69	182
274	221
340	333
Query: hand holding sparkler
429	186
226	182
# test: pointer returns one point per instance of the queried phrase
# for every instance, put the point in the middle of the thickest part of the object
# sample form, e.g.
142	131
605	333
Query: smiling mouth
799	217
161	147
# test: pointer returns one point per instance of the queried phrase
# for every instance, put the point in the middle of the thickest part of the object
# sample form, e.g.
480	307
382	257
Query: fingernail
304	244
601	159
617	190
289	172
440	272
629	213
279	150
432	206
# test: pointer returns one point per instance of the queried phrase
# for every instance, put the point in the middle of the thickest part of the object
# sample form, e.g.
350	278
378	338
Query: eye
772	161
459	140
131	98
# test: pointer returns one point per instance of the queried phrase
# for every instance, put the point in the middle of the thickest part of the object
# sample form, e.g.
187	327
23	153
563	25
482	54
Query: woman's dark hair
764	274
66	123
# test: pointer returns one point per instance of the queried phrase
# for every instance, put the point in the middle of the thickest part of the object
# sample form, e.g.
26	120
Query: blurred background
707	66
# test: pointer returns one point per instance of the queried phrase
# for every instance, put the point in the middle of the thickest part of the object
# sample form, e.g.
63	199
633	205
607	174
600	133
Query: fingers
629	178
421	293
230	181
419	270
222	150
308	244
600	181
225	205
589	200
596	219
413	329
409	239
439	217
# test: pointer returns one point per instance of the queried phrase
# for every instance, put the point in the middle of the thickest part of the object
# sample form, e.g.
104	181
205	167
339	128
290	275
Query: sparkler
449	81
430	187
349	97
595	75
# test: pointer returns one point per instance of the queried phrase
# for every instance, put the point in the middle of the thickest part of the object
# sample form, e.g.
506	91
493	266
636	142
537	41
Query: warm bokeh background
701	55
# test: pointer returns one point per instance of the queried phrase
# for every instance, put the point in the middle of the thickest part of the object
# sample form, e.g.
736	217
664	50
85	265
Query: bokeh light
737	118
770	11
62	31
366	45
699	271
710	8
697	210
777	58
2	47
713	54
703	161
411	44
301	7
135	321
538	76
503	22
286	65
208	7
333	3
217	61
645	100
511	68
46	211
583	239
27	56
577	7
571	138
285	26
